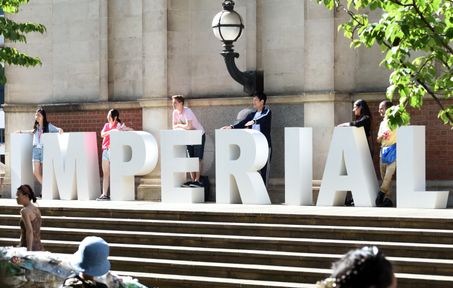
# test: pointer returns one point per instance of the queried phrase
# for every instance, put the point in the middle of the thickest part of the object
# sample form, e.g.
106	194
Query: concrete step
185	281
197	279
177	281
250	217
439	236
222	270
202	254
303	245
236	246
261	272
171	280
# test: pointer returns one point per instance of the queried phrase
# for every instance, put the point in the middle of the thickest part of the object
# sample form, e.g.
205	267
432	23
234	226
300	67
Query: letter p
131	153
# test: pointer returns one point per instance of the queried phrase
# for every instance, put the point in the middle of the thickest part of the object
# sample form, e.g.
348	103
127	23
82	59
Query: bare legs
196	175
37	171
106	177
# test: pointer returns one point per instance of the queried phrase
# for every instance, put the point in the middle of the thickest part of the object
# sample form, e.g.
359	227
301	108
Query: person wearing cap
89	261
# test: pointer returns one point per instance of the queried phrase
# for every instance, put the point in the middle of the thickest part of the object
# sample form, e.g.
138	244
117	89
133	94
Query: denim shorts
106	154
36	154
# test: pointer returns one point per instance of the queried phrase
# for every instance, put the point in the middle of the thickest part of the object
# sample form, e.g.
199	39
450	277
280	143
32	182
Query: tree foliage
415	37
15	32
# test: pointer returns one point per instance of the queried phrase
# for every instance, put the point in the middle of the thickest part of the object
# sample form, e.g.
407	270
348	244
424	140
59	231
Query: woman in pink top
113	124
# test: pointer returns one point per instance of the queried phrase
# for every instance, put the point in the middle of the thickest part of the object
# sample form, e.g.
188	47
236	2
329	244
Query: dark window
2	135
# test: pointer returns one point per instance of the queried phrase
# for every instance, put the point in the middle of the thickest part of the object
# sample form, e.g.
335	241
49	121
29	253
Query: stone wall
73	51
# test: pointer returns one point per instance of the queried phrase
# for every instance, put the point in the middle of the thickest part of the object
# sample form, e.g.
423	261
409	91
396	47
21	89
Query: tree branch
436	99
436	36
401	4
431	93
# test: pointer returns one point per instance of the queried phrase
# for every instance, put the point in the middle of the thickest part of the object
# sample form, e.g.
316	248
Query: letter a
348	168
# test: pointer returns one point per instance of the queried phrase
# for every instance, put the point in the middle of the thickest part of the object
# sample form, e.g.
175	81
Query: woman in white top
40	127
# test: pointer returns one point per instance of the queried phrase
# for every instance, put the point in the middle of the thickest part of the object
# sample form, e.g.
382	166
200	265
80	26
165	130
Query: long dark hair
27	191
363	268
364	109
115	115
45	123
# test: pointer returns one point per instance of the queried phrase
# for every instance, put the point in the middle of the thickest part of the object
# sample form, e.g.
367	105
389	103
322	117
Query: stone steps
250	217
302	245
223	249
247	229
202	254
197	271
178	281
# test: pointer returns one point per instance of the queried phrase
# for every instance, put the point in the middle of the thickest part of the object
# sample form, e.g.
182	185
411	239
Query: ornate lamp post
227	27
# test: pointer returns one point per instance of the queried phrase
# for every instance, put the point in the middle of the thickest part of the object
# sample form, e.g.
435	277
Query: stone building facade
133	54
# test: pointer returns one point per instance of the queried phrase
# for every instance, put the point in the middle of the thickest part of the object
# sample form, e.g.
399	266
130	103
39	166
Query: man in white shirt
387	163
184	118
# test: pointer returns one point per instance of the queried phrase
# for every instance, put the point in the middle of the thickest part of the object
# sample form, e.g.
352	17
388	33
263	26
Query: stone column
320	75
155	102
126	50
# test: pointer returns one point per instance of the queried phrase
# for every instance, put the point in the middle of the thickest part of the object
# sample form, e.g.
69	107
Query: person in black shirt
362	118
259	120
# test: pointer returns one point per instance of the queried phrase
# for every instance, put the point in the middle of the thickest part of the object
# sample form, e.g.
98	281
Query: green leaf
397	116
446	115
449	32
16	32
12	6
415	37
390	91
404	92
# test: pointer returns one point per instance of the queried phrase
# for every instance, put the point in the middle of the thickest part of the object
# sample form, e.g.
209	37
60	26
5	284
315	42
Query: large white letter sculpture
175	165
349	167
70	166
21	165
298	166
131	153
410	171
239	154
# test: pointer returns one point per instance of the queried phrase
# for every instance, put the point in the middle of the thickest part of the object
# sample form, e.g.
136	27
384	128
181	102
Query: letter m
70	166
